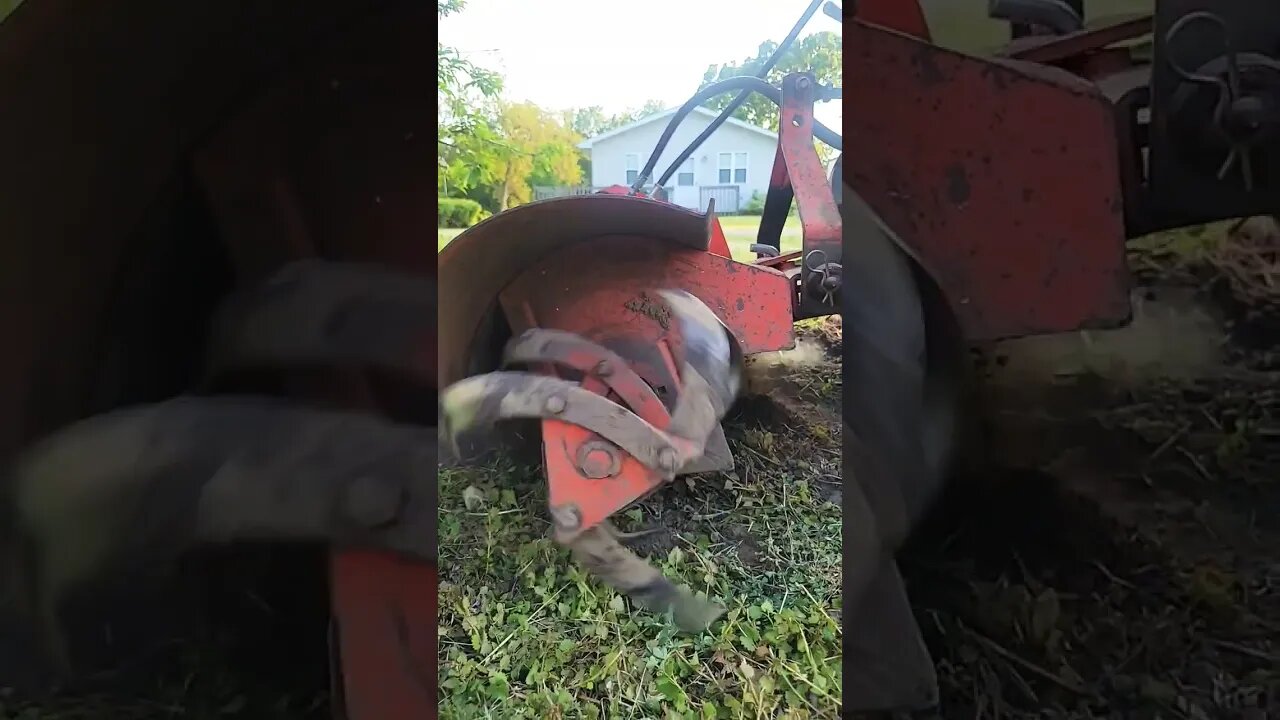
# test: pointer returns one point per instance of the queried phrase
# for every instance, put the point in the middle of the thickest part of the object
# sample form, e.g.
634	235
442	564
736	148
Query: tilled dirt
1115	553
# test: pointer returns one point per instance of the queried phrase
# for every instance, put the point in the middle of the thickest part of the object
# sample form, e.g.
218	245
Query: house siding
608	156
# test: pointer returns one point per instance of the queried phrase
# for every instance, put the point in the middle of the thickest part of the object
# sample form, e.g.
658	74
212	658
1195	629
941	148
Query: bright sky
616	54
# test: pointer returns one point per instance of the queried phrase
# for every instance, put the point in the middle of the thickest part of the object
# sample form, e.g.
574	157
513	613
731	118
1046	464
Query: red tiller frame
1001	178
798	176
608	302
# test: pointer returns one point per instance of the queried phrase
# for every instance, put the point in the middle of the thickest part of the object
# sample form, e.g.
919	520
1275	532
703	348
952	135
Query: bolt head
555	404
667	460
567	517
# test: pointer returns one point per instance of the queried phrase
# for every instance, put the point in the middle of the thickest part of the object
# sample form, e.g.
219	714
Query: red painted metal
385	612
718	244
797	170
480	262
905	16
1001	177
608	302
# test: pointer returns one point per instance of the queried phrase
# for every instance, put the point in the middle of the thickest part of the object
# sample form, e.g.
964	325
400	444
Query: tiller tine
322	313
143	484
608	436
140	485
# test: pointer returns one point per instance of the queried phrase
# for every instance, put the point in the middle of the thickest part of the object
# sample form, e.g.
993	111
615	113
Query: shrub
754	206
458	212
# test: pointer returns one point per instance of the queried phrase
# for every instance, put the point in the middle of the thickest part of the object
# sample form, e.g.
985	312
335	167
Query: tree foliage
540	151
818	53
592	121
499	165
465	94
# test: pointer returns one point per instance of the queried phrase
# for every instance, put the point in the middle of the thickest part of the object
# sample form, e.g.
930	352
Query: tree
592	121
818	53
530	147
465	94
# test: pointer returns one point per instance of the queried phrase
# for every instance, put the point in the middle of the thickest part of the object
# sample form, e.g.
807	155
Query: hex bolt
598	460
802	83
555	404
567	517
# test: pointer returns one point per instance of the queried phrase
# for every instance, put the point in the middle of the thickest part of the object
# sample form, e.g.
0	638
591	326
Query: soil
1114	549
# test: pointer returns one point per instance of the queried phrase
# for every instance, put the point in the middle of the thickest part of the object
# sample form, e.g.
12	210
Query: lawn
525	633
739	230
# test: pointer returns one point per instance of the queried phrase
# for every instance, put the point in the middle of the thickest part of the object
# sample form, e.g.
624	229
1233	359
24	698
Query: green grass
739	230
525	633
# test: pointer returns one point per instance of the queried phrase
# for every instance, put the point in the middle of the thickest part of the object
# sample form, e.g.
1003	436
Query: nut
598	460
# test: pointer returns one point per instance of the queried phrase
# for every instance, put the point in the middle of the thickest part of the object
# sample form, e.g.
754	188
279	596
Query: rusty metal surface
807	182
753	302
616	306
477	265
588	435
1002	179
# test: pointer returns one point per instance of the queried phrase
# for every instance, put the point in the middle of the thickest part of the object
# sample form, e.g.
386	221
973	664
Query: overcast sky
576	53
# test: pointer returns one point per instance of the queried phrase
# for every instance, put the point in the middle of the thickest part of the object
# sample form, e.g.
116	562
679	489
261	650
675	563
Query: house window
733	168
633	167
684	178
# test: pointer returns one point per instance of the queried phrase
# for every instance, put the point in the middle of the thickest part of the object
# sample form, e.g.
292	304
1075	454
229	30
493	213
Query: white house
730	166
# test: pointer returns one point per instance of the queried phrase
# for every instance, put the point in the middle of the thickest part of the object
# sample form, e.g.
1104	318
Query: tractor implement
629	319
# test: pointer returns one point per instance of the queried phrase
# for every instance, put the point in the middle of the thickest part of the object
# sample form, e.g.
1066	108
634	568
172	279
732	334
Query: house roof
586	144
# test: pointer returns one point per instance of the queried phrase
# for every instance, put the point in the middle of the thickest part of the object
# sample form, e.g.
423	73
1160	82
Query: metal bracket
798	176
